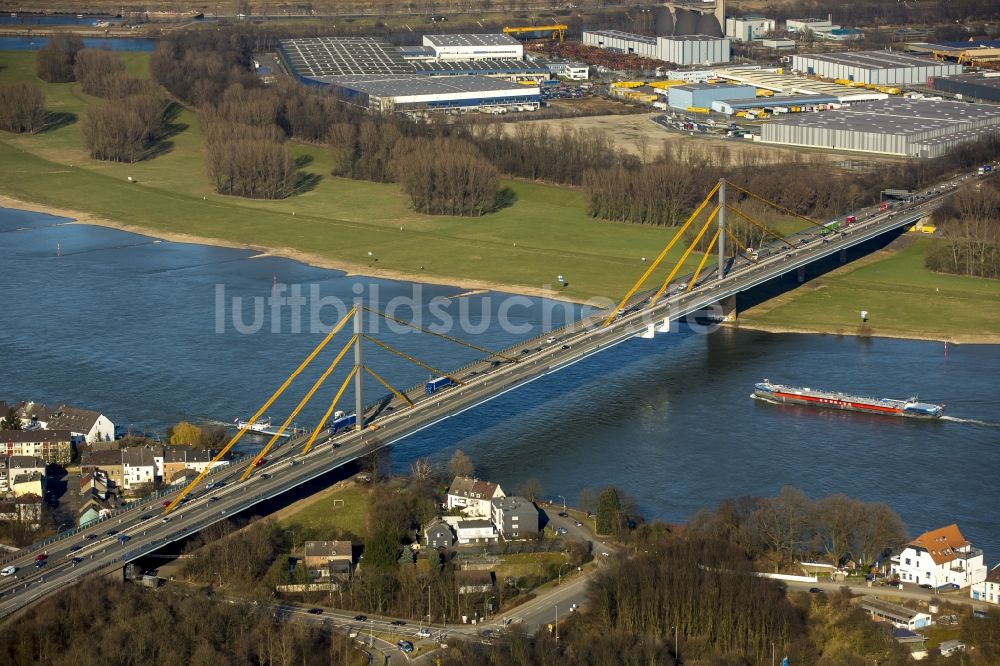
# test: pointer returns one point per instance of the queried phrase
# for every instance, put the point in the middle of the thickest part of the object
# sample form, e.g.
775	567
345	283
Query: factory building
983	86
874	67
511	70
810	25
475	47
748	28
388	93
702	95
906	127
384	78
687	50
567	69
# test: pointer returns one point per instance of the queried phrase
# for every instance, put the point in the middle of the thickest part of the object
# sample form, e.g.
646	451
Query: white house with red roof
940	557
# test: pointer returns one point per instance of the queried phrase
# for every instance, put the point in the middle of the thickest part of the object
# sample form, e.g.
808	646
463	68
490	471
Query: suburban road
98	549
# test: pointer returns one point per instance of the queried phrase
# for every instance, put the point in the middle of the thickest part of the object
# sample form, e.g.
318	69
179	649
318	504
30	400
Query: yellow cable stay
656	262
281	389
687	253
298	408
388	386
440	335
411	359
704	260
774	205
758	225
329	410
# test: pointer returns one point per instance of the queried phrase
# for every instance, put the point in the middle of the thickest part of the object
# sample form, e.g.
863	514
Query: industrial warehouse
885	68
461	72
905	127
686	50
984	86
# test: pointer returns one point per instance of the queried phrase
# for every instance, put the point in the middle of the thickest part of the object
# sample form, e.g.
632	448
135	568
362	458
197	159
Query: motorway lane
483	380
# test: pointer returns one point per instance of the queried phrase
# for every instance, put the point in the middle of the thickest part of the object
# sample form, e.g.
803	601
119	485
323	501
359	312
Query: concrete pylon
359	405
722	227
720	14
728	309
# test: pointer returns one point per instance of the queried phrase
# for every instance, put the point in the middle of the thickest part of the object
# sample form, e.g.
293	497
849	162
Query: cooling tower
709	25
664	22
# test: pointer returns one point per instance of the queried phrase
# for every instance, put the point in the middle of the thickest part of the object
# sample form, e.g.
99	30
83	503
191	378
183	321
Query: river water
147	332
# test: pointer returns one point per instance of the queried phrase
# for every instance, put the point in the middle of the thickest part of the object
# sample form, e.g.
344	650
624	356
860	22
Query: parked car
405	646
315	611
815	590
361	618
424	632
397	623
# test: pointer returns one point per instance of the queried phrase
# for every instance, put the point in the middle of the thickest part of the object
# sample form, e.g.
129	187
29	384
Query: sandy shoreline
952	339
468	287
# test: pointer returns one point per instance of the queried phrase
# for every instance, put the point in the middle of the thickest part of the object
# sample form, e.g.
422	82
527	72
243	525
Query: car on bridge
8	571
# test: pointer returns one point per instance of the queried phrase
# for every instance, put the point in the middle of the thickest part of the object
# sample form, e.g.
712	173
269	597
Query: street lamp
564	502
371	633
677	646
564	564
557	622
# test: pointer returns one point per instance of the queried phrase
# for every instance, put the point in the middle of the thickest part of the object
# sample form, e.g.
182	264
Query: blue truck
438	384
342	423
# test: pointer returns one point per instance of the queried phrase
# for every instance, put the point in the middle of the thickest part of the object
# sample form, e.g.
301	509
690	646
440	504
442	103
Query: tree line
791	527
970	226
129	122
22	108
100	621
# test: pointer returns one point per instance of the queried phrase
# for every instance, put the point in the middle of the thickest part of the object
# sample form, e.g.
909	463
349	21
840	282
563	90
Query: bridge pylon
722	229
359	403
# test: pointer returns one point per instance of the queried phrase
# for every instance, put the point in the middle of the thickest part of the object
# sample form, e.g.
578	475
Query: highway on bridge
101	549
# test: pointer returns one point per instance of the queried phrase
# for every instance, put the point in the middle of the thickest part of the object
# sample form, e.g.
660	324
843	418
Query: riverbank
310	259
926	337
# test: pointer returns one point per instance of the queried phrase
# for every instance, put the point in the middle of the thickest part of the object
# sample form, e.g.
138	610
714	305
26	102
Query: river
148	333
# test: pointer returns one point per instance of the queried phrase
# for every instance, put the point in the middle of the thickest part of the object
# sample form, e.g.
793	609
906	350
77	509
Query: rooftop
618	34
874	59
941	543
713	86
35	436
890	610
414	85
476	524
338	549
498	39
343	56
463	486
473	67
989	80
73	419
896	116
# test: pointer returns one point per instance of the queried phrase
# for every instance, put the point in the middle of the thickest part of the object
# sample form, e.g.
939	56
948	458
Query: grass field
344	509
902	296
546	232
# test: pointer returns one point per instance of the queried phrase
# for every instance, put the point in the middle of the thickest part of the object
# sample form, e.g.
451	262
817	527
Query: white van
8	571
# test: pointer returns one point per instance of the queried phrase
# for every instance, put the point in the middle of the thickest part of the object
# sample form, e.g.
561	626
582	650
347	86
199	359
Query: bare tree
460	465
22	107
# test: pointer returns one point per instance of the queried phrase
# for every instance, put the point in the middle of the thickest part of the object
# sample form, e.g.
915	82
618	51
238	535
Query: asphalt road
100	551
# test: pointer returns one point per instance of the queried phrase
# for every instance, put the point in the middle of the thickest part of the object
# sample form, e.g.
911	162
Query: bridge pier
651	330
800	274
843	256
729	309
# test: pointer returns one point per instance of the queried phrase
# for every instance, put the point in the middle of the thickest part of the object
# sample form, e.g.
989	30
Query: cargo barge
911	408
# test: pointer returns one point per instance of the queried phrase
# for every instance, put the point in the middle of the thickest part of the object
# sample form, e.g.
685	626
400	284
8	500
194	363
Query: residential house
110	462
97	497
26	508
472	496
52	446
989	589
898	616
140	465
30	483
176	459
325	559
438	534
515	517
912	641
85	425
474	582
34	415
950	647
477	530
940	557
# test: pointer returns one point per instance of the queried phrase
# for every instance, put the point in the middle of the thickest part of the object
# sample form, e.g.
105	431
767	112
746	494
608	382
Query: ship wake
978	422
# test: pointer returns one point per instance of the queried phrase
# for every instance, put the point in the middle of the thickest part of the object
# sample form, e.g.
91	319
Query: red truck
851	219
